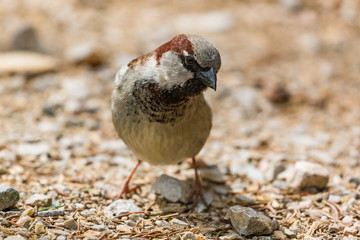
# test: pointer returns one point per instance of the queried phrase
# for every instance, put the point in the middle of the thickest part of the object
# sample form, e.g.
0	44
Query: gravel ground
284	151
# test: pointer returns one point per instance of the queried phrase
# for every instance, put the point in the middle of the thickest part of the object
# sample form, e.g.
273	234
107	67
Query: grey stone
3	222
70	224
16	237
315	213
334	198
61	238
275	224
201	206
230	237
273	165
243	200
289	233
98	227
34	149
347	219
279	235
121	206
50	127
336	227
247	170
26	39
24	221
305	174
88	212
162	223
59	232
293	5
188	236
247	221
171	189
130	223
39	200
51	213
262	238
8	197
321	156
212	173
280	184
178	223
39	227
221	190
305	204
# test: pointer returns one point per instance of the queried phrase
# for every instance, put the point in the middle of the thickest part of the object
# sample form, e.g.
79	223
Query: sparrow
158	106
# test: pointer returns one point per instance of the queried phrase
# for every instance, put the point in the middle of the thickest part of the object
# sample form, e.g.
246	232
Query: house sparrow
158	107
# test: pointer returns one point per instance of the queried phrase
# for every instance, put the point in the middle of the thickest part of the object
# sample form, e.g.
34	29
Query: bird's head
187	58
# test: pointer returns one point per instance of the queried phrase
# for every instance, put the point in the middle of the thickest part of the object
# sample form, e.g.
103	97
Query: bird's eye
189	60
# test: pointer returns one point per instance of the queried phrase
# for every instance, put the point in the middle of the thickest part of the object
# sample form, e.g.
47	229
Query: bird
158	106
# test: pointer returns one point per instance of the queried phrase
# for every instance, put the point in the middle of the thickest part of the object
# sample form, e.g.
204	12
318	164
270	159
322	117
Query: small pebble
130	223
70	224
51	213
334	198
8	197
39	227
79	206
336	227
212	173
16	237
230	237
347	219
121	206
350	230
279	235
162	223
201	207
24	221
59	232
188	236
178	223
88	212
3	222
171	189
39	200
28	212
247	221
289	233
305	175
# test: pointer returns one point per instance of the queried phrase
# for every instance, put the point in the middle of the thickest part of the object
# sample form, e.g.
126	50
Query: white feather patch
120	74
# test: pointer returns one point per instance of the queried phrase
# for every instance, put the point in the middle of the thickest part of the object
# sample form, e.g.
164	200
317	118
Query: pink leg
125	189
196	193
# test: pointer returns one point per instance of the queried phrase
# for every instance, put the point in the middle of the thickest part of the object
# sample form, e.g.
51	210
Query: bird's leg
197	192
125	189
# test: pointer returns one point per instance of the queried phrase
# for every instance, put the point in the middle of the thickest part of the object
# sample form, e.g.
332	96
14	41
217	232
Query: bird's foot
197	192
126	189
196	195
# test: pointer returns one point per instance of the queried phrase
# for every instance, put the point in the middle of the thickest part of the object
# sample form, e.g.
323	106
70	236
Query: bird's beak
208	78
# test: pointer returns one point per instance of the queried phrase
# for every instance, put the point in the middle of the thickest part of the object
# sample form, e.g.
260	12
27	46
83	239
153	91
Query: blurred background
288	88
290	68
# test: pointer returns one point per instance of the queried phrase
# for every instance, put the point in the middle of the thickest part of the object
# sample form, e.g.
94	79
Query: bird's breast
163	137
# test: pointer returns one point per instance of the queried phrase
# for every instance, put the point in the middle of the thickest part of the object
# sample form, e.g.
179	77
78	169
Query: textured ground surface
288	91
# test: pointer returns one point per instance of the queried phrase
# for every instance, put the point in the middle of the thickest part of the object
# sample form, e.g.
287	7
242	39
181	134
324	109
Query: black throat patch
165	105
